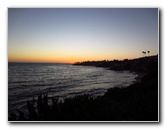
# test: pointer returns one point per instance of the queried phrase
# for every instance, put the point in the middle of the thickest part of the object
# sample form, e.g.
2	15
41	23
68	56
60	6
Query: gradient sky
80	34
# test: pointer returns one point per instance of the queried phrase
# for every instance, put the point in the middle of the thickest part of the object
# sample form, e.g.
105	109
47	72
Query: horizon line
39	62
76	61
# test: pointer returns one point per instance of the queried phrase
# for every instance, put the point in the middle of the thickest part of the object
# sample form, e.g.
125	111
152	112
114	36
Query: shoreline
140	66
140	101
139	77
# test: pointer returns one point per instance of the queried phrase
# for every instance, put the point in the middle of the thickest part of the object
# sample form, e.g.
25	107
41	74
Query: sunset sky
78	34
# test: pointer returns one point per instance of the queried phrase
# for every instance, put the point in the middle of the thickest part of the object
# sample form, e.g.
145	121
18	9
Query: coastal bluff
142	64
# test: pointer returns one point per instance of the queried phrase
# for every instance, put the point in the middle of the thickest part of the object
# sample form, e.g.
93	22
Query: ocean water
26	80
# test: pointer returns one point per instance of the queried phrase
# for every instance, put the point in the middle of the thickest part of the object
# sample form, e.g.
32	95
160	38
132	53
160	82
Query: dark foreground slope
137	102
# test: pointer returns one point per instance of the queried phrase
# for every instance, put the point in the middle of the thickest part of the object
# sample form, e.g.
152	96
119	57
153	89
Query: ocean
28	80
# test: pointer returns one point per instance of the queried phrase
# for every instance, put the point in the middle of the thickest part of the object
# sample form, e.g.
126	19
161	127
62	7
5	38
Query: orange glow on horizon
70	56
66	58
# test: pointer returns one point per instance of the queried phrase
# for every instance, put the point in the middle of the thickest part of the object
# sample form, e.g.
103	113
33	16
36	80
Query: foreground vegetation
137	102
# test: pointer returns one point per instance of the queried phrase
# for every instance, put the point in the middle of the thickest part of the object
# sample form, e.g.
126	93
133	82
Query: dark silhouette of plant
148	52
144	53
32	113
21	116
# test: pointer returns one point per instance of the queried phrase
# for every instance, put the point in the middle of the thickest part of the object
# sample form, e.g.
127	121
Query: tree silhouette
148	52
144	52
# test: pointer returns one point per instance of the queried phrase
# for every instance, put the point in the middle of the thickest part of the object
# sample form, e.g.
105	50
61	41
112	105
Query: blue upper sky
77	34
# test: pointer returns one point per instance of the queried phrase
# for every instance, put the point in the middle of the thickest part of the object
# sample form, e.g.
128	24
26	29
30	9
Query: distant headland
142	64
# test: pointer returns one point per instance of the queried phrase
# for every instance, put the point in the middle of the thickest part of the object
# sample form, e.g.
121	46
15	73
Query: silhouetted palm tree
144	52
148	52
